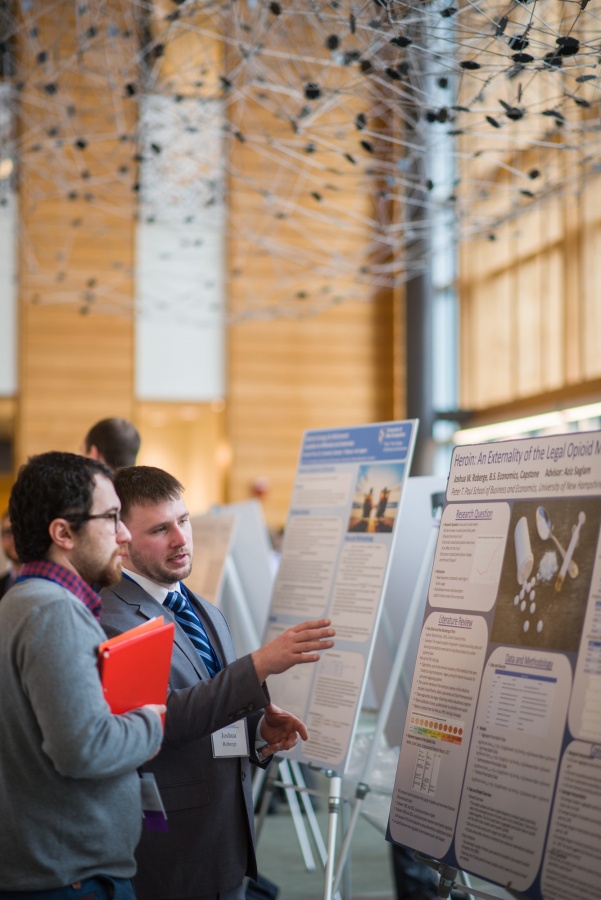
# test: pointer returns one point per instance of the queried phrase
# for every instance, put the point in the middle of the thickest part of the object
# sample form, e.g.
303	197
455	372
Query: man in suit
209	847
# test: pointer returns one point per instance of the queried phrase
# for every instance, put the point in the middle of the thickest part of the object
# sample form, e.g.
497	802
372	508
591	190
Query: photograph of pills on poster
549	557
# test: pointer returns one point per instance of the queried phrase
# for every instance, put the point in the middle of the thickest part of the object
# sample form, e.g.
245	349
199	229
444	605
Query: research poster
212	536
337	546
499	772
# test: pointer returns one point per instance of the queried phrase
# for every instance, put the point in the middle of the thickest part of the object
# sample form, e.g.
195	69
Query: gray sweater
69	793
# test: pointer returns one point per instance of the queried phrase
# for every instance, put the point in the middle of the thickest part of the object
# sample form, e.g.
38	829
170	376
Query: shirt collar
51	571
157	591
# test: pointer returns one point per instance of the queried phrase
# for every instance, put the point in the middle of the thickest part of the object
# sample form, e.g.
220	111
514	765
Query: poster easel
413	612
417	493
213	537
339	538
233	569
248	574
290	779
225	576
409	572
338	543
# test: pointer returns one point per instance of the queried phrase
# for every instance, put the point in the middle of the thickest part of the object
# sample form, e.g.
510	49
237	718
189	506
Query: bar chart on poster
499	772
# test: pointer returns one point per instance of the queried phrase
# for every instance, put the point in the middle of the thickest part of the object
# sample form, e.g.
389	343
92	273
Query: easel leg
361	791
288	775
333	812
347	880
297	816
419	592
305	799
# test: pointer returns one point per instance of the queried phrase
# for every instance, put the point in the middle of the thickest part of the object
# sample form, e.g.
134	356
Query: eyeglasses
115	515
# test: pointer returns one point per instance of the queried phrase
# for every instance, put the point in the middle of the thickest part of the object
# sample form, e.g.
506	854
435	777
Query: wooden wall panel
332	370
6	483
74	371
552	256
75	254
552	320
591	280
572	295
187	440
528	301
550	245
487	372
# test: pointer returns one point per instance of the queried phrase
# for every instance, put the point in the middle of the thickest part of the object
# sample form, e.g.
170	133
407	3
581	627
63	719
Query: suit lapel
130	592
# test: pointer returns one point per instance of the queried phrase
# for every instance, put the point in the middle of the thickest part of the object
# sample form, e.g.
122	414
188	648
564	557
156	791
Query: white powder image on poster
548	566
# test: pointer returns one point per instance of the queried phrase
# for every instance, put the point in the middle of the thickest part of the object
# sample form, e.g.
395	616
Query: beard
156	570
101	574
109	574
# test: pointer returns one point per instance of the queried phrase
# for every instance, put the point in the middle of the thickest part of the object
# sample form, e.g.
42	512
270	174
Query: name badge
231	740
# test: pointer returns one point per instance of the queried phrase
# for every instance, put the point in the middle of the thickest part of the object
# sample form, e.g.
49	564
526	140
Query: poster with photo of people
338	543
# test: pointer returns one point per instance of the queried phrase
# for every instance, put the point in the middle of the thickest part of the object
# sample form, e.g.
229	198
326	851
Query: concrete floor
369	872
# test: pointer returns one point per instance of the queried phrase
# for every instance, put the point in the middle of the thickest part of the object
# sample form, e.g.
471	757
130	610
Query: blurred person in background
8	547
115	442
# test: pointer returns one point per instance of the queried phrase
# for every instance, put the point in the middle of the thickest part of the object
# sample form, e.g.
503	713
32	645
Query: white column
180	251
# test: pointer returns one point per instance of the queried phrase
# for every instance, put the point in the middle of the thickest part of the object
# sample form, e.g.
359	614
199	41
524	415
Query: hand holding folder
134	666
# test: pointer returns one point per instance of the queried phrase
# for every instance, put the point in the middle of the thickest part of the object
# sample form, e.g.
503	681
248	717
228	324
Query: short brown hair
117	441
145	485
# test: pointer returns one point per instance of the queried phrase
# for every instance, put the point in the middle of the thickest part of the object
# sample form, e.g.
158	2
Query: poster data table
500	766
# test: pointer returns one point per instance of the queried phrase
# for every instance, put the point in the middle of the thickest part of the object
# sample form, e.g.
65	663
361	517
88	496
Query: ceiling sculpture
337	135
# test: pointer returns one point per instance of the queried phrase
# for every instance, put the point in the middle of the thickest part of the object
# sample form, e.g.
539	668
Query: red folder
134	666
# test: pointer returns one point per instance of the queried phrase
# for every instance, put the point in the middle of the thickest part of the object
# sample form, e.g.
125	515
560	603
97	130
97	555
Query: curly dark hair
145	485
50	486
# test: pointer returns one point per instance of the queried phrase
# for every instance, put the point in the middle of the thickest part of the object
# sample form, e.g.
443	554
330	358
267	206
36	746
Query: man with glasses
69	791
203	778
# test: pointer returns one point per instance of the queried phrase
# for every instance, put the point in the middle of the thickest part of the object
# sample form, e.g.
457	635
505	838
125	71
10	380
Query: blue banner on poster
366	443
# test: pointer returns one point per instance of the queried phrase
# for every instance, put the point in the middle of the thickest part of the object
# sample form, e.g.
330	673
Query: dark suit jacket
210	843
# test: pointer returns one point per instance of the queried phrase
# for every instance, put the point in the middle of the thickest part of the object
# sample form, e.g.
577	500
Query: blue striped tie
187	618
